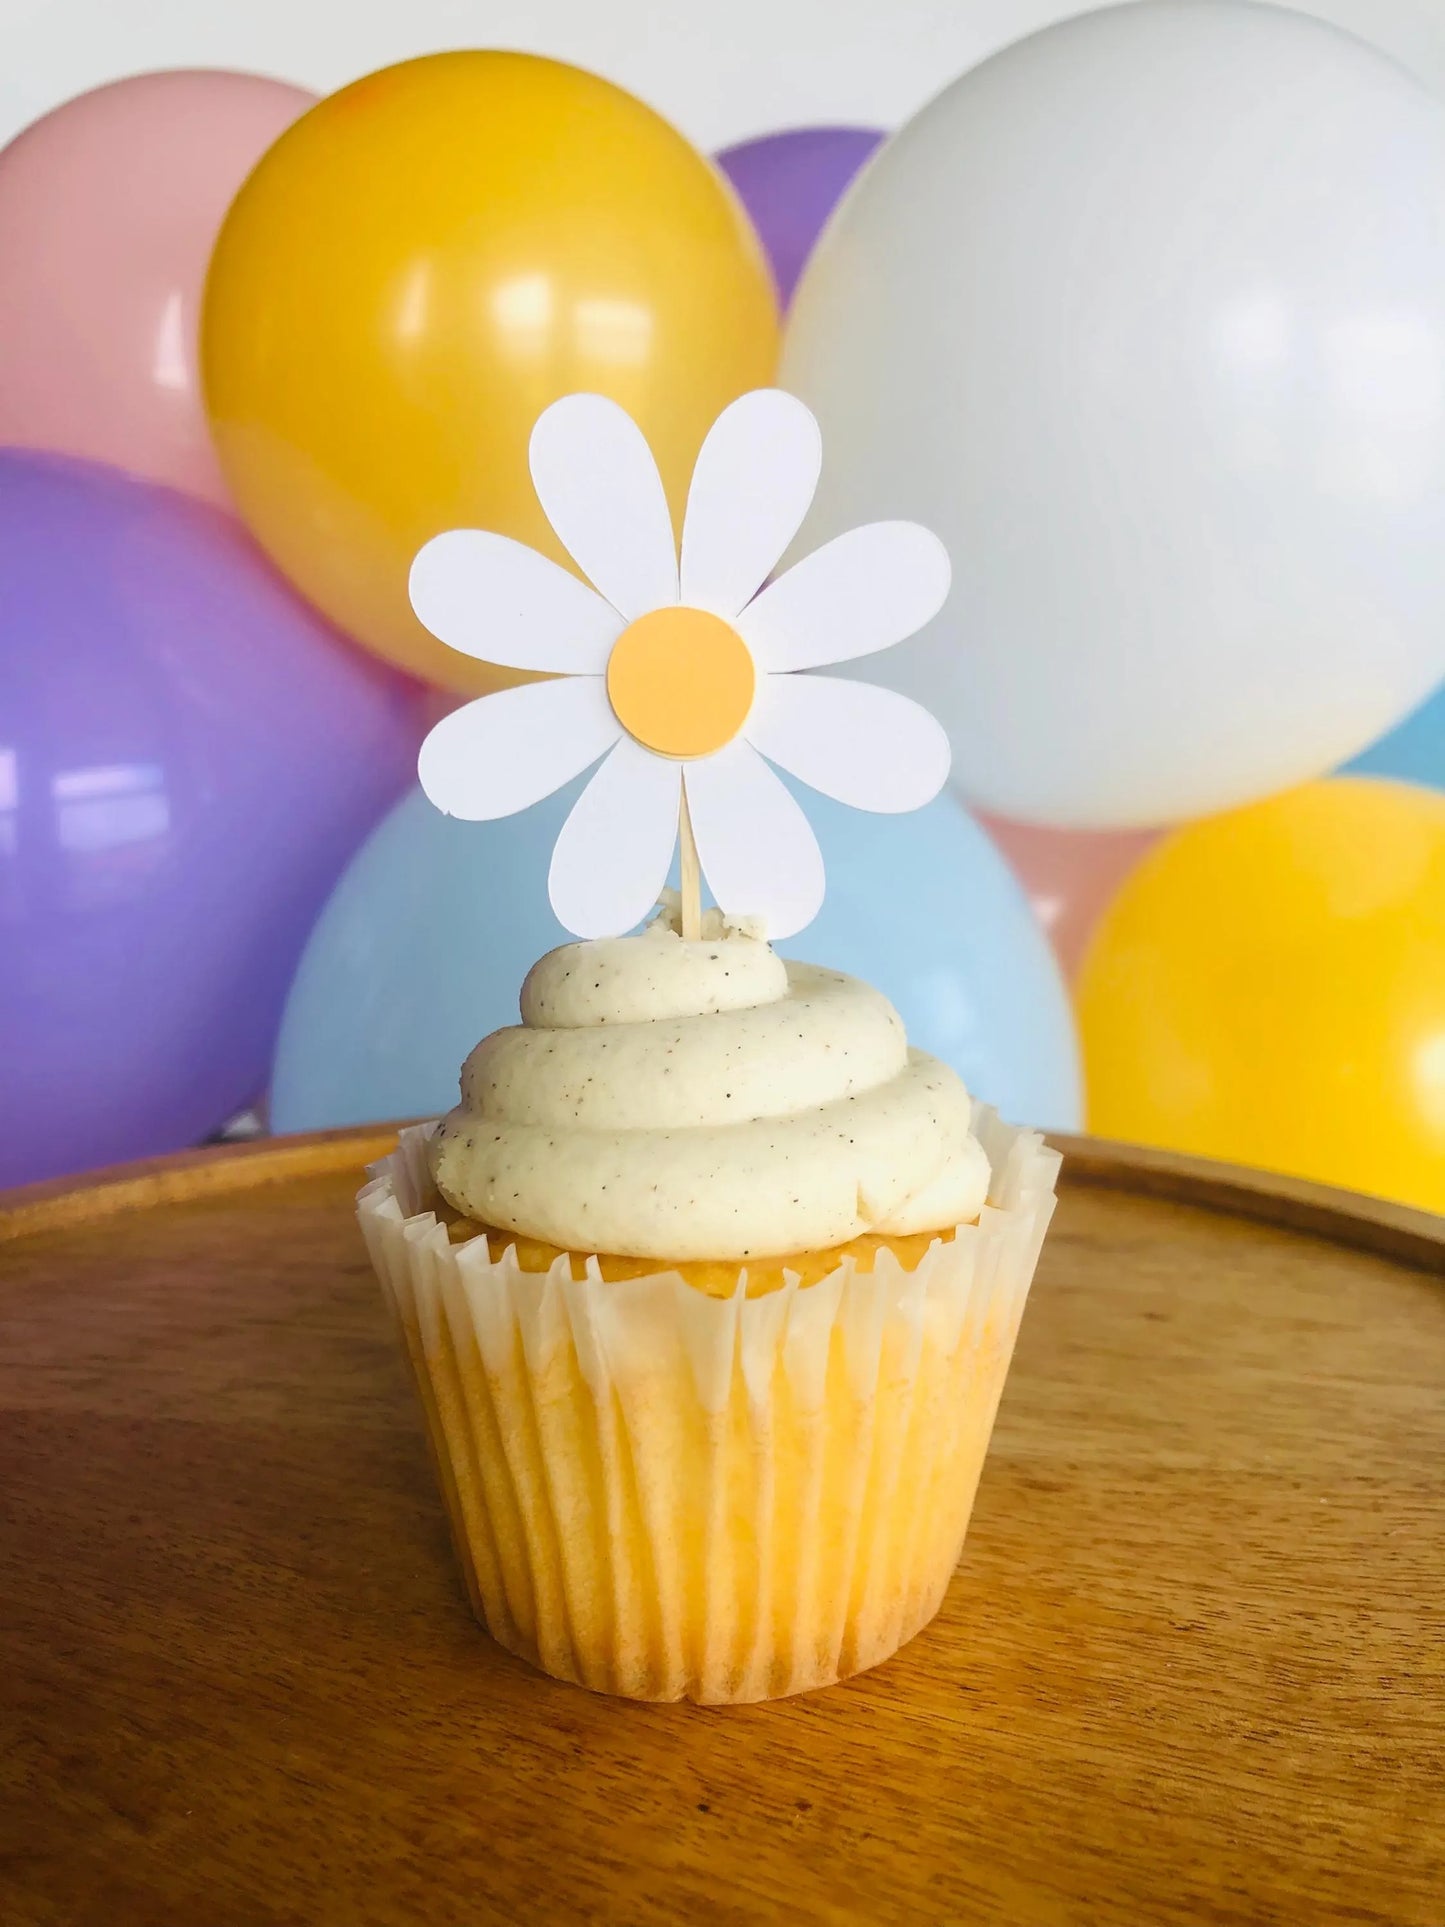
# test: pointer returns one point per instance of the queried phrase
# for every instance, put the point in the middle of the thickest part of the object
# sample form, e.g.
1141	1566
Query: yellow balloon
1269	987
415	270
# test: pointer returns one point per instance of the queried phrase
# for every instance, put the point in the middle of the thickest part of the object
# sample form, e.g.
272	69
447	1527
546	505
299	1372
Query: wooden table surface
1191	1669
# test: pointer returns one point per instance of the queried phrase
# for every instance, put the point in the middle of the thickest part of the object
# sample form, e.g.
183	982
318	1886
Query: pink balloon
109	207
1069	875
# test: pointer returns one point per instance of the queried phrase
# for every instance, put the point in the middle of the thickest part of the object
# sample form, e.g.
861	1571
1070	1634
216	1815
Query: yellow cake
709	1286
716	1277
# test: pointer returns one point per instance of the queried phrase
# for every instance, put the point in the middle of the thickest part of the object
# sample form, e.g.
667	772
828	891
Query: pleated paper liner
661	1494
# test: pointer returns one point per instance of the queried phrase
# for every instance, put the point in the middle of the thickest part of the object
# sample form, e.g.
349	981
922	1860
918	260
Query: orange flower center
681	681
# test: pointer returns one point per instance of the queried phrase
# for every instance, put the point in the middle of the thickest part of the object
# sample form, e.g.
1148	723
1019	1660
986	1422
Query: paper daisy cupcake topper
681	676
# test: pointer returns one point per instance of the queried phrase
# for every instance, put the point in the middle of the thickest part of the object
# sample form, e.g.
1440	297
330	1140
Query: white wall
722	69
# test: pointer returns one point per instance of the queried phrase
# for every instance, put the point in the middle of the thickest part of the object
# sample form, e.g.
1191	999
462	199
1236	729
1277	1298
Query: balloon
1069	876
790	183
1269	987
424	945
108	209
188	756
416	270
1145	316
1415	751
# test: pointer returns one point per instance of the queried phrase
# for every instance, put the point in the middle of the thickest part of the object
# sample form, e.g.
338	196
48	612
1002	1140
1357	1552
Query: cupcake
709	1284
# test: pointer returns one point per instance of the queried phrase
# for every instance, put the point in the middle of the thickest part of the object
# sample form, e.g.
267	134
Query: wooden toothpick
691	875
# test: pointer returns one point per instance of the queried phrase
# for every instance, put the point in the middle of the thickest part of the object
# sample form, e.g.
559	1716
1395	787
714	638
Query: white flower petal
750	491
757	849
496	599
868	747
863	591
596	480
501	753
611	860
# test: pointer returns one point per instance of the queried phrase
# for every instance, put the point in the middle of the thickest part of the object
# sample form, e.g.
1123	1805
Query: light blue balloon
1414	752
424	944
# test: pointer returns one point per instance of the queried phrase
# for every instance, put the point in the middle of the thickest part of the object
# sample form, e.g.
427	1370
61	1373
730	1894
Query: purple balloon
188	758
790	184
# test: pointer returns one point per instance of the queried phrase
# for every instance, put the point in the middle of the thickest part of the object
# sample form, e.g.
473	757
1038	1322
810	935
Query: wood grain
1190	1670
186	1175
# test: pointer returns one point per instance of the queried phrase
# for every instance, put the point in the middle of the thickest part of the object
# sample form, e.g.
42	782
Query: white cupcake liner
661	1494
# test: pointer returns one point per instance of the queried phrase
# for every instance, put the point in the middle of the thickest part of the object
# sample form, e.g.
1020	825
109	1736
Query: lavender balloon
188	757
790	183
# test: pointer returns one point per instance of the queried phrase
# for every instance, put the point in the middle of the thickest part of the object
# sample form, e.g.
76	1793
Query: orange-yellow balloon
415	270
1269	987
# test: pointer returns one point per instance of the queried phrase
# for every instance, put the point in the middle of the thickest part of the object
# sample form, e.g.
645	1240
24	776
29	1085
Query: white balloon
1146	317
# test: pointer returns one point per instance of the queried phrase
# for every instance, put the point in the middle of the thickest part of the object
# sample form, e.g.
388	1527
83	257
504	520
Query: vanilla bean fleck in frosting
702	1100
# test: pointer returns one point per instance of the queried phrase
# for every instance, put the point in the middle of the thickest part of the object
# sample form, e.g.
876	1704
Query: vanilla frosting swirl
667	1099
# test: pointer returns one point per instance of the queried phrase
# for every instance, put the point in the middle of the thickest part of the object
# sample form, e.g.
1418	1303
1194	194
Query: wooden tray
1190	1670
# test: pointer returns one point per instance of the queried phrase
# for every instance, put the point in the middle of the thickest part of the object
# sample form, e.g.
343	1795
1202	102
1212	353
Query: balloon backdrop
1069	875
108	210
1415	751
1269	987
416	270
790	183
423	947
187	758
1146	317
